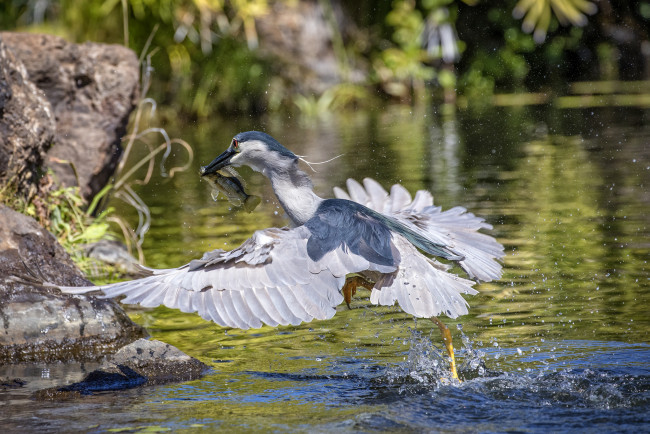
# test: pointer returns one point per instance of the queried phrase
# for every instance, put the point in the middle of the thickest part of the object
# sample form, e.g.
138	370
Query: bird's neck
295	192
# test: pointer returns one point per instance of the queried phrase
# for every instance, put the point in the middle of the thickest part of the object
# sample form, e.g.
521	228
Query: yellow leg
446	337
351	285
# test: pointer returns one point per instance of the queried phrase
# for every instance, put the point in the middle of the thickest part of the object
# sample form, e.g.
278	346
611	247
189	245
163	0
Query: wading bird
366	238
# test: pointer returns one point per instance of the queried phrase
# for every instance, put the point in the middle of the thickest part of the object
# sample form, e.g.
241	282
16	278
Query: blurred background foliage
225	56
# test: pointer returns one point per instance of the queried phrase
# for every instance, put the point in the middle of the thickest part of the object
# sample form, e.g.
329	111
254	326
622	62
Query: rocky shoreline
65	107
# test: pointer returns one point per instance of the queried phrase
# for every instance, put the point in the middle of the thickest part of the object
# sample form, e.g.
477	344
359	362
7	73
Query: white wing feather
422	286
269	279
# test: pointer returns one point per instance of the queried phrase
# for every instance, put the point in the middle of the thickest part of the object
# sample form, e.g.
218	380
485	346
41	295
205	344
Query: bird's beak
220	162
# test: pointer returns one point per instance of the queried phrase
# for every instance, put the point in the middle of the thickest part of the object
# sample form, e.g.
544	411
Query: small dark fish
228	182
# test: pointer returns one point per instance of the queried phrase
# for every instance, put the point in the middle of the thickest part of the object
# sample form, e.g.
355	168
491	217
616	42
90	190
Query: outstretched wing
455	228
278	276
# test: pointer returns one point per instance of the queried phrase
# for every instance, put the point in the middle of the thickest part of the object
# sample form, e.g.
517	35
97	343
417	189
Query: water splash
567	388
427	365
426	370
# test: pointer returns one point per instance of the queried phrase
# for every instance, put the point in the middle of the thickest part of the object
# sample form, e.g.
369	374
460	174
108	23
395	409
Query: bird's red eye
235	144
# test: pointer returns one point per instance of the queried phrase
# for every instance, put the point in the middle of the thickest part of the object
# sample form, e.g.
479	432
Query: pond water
560	343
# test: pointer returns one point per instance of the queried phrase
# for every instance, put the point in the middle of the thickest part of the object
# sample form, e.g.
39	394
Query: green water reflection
567	193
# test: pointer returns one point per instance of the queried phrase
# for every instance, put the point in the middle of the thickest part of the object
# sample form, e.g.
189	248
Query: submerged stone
13	383
141	363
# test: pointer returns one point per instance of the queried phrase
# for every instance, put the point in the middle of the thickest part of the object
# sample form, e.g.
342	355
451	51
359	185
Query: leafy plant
402	68
65	214
76	223
537	14
339	97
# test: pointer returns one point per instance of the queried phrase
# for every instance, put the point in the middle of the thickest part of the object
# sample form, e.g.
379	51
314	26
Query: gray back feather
455	228
343	223
357	222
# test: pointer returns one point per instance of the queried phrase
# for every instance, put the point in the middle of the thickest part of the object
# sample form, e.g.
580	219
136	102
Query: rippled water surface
561	343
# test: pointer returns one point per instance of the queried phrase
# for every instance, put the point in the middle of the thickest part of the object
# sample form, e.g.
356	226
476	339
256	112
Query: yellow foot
446	337
351	285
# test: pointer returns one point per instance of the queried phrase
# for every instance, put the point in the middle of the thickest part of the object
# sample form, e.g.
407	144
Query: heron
389	243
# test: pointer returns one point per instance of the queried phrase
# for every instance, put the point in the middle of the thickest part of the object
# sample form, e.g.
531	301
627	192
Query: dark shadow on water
570	398
418	394
425	372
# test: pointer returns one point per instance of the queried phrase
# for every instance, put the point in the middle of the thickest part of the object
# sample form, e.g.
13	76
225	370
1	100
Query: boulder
92	89
27	125
115	254
41	323
141	363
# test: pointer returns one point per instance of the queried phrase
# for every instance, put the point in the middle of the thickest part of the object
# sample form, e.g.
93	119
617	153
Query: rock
92	89
14	383
114	253
141	363
157	361
43	324
26	124
299	37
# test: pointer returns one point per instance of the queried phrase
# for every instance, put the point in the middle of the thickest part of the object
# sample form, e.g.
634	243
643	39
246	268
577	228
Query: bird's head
255	149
